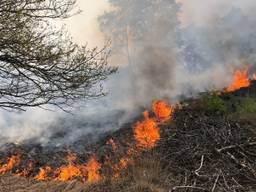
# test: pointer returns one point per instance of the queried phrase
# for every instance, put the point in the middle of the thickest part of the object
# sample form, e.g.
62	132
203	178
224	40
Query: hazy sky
84	27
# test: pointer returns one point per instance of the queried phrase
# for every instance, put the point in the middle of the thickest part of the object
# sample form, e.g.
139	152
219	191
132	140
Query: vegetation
213	103
198	151
40	64
247	106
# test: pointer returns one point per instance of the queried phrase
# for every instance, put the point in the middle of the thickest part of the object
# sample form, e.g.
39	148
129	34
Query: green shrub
247	106
214	103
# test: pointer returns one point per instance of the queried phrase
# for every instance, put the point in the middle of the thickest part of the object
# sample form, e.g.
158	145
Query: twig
235	146
215	183
201	165
187	187
237	183
236	160
224	179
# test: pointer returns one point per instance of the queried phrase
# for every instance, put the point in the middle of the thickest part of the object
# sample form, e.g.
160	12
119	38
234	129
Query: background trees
145	34
40	64
131	23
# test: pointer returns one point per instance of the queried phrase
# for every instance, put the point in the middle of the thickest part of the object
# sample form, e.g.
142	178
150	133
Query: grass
247	106
145	174
246	110
213	103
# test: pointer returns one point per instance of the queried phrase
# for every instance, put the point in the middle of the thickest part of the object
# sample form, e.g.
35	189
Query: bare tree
40	64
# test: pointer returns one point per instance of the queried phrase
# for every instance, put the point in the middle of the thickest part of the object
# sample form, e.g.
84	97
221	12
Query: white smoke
158	58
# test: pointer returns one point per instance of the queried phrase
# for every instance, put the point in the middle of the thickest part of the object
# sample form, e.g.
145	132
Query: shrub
214	103
247	106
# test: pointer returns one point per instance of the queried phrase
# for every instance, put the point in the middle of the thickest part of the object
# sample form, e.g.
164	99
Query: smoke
164	51
220	40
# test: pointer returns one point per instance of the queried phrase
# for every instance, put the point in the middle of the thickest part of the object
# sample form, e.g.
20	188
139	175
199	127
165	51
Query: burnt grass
210	152
201	149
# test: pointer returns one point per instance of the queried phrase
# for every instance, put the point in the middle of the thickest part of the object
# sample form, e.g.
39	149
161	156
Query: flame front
68	172
240	80
162	110
146	132
92	168
11	163
42	174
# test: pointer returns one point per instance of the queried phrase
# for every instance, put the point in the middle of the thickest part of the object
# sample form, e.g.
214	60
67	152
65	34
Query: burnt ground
206	147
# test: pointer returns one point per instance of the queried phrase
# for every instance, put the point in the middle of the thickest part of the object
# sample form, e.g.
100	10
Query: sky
84	27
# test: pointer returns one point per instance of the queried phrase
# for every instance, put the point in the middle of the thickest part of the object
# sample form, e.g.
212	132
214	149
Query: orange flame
162	110
240	80
146	132
12	162
42	174
92	168
123	163
68	172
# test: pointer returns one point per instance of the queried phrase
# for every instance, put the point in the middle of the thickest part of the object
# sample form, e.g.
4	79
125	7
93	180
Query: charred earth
209	144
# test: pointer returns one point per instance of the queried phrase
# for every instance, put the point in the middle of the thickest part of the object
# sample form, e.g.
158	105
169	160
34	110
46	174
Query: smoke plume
163	50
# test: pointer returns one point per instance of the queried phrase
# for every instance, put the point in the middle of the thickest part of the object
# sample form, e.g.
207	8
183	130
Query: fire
240	80
12	162
146	132
121	165
43	172
68	172
162	110
92	168
124	162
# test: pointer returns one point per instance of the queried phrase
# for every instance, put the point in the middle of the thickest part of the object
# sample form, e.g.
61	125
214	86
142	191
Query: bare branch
40	65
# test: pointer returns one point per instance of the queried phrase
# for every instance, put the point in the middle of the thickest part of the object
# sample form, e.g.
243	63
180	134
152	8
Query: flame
146	132
240	80
92	168
162	110
121	165
42	174
13	161
68	172
124	162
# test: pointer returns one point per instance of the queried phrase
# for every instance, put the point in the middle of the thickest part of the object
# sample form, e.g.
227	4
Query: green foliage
247	106
214	103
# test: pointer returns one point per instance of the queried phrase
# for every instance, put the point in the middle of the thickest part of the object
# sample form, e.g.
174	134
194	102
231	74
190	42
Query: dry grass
144	175
10	183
